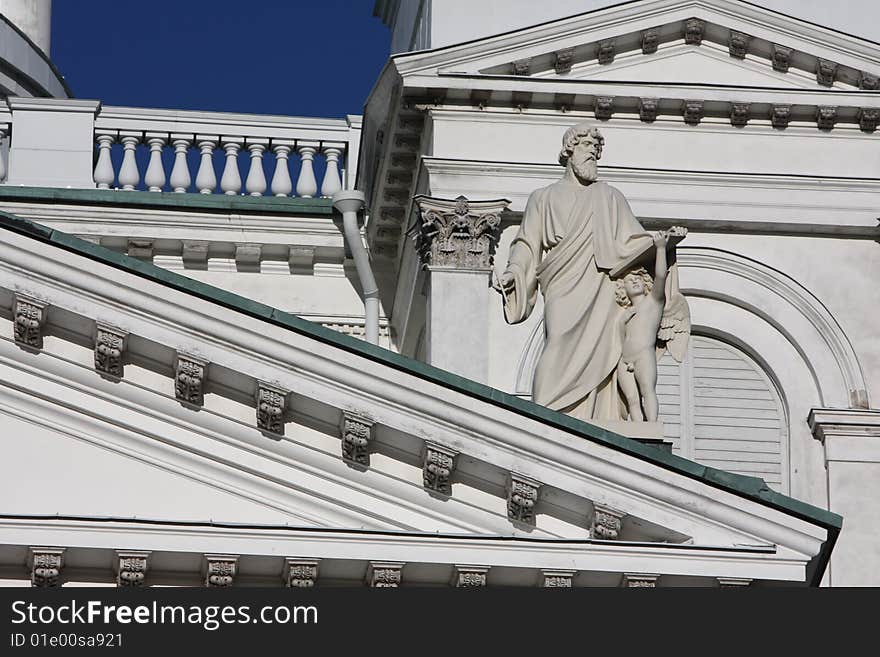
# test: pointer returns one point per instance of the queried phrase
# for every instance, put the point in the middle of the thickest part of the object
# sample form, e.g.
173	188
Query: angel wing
675	324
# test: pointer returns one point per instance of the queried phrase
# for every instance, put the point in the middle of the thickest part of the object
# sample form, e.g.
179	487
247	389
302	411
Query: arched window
720	409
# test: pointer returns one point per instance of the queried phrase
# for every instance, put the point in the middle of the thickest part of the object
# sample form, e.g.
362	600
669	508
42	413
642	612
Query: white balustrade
255	185
180	178
104	175
206	179
129	176
264	138
155	176
306	186
281	183
230	183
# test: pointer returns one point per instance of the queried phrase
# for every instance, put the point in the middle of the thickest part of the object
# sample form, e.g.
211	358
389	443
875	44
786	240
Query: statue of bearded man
577	235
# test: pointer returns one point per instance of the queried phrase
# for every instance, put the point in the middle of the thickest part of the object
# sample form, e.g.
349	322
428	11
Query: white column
332	183
230	182
129	176
104	167
255	185
281	183
155	175
180	178
455	244
851	438
306	185
206	179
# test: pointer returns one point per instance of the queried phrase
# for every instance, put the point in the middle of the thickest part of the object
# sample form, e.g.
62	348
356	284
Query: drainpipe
349	203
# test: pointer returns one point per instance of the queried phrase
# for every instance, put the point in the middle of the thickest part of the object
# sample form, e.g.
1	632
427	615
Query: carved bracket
648	109
465	577
780	116
384	574
458	233
189	379
606	523
825	72
562	60
439	464
522	495
605	53
740	114
555	579
220	569
604	107
110	344
640	580
868	119
781	58
271	408
693	31
46	566
131	568
650	41
693	112
738	44
826	117
356	433
30	317
300	573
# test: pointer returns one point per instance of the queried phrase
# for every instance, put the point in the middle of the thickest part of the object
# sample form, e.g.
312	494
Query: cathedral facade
243	349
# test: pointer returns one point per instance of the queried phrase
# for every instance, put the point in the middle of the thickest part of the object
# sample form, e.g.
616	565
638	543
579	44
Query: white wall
33	17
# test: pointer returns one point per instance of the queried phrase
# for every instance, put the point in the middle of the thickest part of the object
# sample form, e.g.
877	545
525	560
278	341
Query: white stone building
186	397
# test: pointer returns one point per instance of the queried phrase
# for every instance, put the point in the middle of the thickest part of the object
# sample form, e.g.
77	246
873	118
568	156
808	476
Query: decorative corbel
271	408
189	379
30	317
605	52
110	345
606	523
826	117
466	577
220	569
648	109
46	564
650	41
740	114
693	112
640	580
693	31
300	573
738	44
384	574
437	469
604	107
868	118
780	116
522	496
131	568
357	434
825	72
781	58
557	579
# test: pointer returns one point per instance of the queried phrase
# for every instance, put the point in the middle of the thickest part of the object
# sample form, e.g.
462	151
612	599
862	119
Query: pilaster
456	244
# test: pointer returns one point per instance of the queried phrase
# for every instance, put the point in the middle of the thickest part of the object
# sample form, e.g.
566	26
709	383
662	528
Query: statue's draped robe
572	240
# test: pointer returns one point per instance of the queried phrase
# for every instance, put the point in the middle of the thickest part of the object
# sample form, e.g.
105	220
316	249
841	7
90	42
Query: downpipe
349	203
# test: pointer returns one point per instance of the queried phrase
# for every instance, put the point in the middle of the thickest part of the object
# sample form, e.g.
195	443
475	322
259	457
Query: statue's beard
586	172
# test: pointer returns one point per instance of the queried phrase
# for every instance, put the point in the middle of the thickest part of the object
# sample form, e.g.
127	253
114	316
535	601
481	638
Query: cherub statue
649	325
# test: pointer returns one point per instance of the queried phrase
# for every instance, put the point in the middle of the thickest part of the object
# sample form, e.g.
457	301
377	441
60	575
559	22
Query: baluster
281	183
104	167
230	183
155	176
180	178
255	185
332	182
307	186
129	176
206	179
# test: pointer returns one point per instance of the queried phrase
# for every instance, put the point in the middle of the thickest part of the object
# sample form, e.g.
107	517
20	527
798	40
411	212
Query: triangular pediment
733	43
359	428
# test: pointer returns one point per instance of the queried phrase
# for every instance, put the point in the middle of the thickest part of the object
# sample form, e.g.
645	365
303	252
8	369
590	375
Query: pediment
745	45
130	445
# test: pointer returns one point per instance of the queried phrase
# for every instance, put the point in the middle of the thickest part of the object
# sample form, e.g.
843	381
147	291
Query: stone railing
67	143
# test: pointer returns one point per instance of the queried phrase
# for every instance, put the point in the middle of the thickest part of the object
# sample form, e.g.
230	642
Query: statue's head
581	150
635	283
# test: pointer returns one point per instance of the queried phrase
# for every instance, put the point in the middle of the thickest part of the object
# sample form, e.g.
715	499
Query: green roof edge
170	200
753	488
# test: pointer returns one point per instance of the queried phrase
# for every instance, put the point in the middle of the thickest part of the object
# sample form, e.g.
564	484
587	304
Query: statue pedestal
645	431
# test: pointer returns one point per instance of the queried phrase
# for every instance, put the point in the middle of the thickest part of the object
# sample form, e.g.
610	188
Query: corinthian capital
458	233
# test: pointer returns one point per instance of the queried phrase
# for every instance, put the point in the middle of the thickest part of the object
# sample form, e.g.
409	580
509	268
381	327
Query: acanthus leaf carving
357	433
522	496
604	107
693	31
384	575
301	573
781	58
131	568
439	463
780	116
605	52
271	408
189	379
458	233
606	523
220	570
29	317
648	109
110	344
46	566
738	44
650	41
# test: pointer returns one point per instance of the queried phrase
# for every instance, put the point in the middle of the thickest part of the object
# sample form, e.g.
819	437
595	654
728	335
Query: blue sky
293	57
